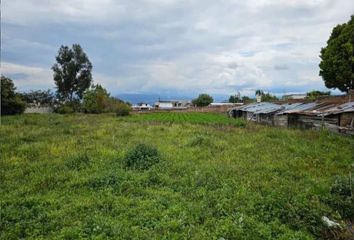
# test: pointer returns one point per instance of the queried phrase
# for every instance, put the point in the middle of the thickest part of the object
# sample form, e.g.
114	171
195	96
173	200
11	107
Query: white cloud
28	77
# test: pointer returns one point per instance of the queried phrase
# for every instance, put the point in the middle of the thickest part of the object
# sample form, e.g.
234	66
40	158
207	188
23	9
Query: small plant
199	140
78	162
141	157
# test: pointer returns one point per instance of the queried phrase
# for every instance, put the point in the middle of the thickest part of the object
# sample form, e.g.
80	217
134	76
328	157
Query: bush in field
98	100
203	100
11	102
66	108
141	157
342	198
122	109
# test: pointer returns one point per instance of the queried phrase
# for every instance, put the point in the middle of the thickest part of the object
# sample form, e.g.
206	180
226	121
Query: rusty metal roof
313	108
346	107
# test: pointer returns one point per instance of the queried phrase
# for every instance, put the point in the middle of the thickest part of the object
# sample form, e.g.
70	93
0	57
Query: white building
142	107
172	104
297	96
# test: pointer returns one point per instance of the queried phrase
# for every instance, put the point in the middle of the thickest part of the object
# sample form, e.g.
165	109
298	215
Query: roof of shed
346	107
257	108
313	108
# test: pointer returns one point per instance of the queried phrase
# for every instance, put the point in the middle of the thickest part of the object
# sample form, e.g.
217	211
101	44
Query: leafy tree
337	58
203	100
11	102
265	97
42	97
72	73
259	92
97	100
246	99
235	98
313	95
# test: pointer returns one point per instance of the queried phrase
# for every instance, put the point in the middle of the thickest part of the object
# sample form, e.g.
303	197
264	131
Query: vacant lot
189	117
62	177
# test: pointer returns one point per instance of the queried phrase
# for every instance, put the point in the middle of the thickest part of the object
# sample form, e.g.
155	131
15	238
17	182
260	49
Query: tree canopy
337	58
72	73
314	94
96	99
39	97
203	100
265	97
11	102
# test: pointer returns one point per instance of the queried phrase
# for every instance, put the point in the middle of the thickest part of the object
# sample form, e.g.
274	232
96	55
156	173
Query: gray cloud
159	45
281	67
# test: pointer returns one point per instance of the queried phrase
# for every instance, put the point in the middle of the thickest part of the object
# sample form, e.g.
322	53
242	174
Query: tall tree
337	64
72	73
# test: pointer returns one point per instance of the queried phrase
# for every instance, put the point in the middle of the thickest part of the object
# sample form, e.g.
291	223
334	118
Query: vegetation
187	117
337	58
203	100
41	97
122	109
265	97
246	100
64	177
98	100
141	157
235	98
313	95
11	102
72	73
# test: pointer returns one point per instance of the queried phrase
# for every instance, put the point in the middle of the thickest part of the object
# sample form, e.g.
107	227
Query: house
172	104
142	107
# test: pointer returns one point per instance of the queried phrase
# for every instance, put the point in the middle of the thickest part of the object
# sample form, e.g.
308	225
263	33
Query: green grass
186	117
63	177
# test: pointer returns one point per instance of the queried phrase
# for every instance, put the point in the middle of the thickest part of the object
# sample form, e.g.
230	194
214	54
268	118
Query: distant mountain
151	98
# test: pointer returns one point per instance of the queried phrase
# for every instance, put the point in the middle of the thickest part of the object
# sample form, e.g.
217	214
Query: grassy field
63	177
187	117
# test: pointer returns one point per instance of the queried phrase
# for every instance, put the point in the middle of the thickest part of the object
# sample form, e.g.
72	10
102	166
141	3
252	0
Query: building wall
165	105
281	120
311	122
345	119
38	110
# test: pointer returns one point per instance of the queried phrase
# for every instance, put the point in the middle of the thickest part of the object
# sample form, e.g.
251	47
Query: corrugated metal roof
312	108
301	107
346	107
263	107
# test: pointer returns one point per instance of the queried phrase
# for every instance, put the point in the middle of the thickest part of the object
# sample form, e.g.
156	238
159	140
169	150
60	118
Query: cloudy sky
174	46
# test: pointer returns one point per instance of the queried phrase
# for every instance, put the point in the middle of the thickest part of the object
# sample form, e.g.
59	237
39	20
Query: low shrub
141	157
64	109
341	196
78	162
199	140
123	109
